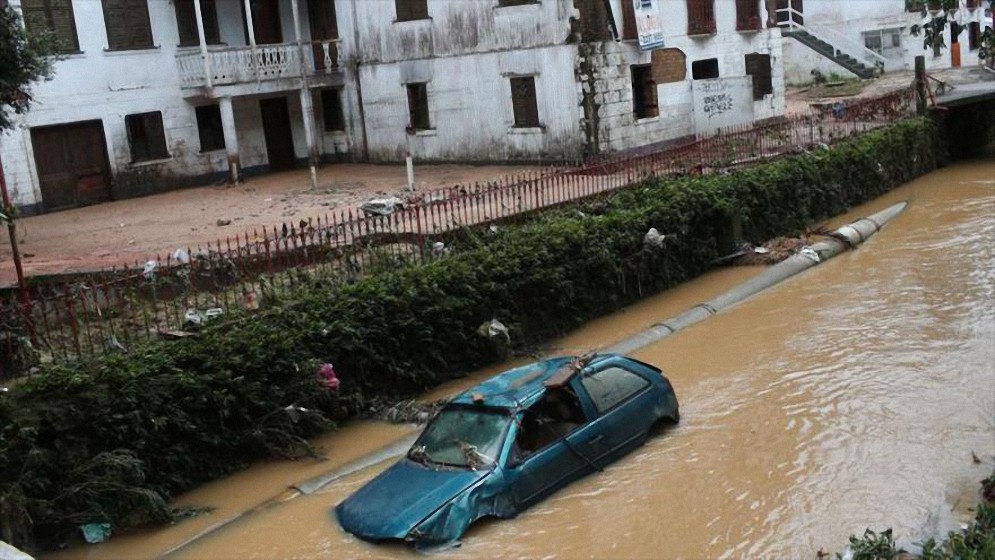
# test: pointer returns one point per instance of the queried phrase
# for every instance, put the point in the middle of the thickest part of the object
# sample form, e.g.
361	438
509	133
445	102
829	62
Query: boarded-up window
748	15
701	17
758	66
127	23
408	10
644	103
669	65
629	30
186	22
705	69
212	134
54	16
418	107
331	108
523	101
146	136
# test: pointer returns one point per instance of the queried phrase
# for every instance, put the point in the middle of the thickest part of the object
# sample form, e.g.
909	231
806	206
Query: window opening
210	129
644	100
54	16
705	69
127	23
146	136
523	101
409	10
418	107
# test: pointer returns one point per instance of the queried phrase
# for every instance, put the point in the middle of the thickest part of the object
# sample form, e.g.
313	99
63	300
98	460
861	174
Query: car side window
611	386
555	415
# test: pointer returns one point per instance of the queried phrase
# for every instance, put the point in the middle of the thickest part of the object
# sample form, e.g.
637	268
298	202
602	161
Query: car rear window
611	386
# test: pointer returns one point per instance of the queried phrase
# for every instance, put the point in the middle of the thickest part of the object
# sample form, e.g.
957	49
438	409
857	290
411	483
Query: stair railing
835	39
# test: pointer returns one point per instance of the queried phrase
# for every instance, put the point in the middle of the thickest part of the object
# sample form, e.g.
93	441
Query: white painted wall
107	86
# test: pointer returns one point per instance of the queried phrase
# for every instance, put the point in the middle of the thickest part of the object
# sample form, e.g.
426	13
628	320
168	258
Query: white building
153	94
873	33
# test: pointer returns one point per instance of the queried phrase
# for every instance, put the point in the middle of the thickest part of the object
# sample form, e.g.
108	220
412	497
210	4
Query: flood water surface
850	396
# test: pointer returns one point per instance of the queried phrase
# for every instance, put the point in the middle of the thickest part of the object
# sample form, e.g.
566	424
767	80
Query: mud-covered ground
127	231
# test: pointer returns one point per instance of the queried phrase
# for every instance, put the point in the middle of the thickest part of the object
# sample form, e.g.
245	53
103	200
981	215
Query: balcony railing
243	64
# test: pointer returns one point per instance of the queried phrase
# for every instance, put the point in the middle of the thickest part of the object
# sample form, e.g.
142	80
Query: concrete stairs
832	53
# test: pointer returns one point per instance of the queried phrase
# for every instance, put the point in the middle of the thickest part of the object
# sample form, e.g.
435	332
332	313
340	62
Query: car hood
397	500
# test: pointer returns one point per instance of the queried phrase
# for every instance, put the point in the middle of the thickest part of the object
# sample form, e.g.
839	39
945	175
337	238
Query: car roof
521	386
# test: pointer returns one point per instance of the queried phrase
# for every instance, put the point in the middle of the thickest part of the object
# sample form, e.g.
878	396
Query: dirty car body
505	444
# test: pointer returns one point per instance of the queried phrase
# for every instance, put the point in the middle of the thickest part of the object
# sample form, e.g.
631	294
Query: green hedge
114	441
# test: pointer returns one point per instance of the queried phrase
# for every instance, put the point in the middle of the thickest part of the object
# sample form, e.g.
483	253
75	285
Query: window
505	3
55	16
212	134
418	107
973	35
611	386
408	10
523	101
643	92
127	23
629	30
705	69
557	414
186	22
886	42
748	15
462	436
701	17
146	136
331	109
758	66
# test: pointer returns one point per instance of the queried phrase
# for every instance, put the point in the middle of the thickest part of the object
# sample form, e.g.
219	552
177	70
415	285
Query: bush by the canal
113	440
976	541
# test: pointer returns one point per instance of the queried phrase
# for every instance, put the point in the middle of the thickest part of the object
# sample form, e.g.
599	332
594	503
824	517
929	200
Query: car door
624	404
553	466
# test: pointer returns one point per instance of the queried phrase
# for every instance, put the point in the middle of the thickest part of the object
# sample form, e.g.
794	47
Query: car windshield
462	437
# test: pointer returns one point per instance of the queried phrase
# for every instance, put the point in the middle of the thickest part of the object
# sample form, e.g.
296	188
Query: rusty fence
77	316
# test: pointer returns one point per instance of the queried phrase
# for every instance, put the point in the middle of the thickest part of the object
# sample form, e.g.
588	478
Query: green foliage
873	546
175	414
976	542
23	59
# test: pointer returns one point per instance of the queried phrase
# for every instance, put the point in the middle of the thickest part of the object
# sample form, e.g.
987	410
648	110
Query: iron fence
82	315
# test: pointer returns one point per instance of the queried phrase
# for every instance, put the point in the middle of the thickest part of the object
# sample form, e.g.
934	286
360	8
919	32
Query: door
265	21
276	129
324	30
73	168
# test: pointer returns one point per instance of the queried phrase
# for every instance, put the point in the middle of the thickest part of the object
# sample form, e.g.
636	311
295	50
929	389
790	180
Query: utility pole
921	86
12	231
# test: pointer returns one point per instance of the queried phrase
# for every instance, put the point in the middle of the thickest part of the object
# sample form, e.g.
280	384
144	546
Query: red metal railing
113	310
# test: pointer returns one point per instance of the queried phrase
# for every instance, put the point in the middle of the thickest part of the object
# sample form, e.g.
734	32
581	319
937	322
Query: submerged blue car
505	444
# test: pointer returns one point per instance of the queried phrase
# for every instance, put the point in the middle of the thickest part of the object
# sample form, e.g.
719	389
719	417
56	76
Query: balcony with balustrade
241	70
244	47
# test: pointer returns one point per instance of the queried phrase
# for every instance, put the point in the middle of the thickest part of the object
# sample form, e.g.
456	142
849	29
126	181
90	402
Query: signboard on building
649	28
722	102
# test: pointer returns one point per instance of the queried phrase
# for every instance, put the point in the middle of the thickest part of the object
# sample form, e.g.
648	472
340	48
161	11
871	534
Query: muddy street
850	396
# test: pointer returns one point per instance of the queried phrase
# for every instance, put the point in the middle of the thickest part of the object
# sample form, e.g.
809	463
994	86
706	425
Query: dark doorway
72	164
265	22
276	129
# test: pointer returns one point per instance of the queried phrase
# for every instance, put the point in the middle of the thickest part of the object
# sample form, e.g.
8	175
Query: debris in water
96	532
382	206
407	412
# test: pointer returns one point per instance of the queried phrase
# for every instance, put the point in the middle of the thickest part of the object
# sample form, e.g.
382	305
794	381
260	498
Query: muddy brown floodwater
848	397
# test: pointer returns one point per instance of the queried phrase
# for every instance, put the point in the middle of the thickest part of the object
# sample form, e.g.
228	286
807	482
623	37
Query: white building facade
154	94
878	32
